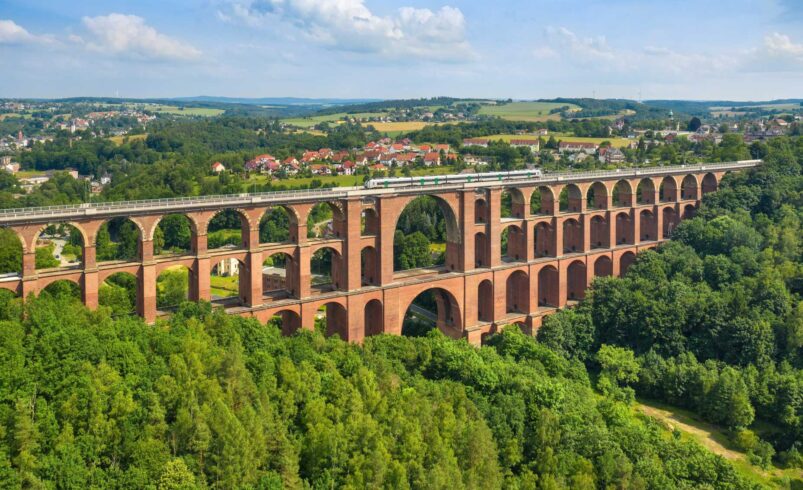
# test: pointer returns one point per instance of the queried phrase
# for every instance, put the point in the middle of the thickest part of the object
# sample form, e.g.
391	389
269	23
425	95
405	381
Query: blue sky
702	49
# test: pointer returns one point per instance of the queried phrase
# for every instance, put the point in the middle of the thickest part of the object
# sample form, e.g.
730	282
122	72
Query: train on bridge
452	179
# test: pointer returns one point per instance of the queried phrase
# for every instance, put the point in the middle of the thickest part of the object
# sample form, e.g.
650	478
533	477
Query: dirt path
704	433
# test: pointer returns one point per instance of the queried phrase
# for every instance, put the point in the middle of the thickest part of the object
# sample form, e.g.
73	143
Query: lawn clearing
119	140
525	111
616	142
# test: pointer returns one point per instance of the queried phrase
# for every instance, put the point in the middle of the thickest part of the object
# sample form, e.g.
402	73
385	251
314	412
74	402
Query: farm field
131	137
187	111
616	142
524	111
308	122
10	115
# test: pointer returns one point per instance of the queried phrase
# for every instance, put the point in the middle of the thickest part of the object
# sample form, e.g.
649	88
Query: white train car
426	180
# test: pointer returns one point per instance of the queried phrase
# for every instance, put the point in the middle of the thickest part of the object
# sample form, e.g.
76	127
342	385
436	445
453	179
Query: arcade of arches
511	255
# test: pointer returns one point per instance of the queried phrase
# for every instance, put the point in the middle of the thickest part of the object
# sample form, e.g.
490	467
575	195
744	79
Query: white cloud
563	40
349	25
13	33
780	52
129	35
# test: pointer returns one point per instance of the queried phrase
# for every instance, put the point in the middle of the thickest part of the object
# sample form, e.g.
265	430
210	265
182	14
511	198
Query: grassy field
224	287
308	122
716	440
10	115
133	137
524	111
186	111
400	127
616	142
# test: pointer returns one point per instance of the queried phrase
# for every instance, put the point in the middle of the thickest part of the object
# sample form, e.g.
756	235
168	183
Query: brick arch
369	266
572	236
544	239
74	278
291	273
482	250
574	199
85	235
576	280
625	261
645	191
104	274
338	267
689	187
597	196
373	317
548	286
648	225
545	200
669	220
151	230
625	228
600	231
338	216
290	321
20	238
450	314
480	210
668	189
622	193
516	242
709	183
485	301
518	202
517	292
603	266
369	224
447	207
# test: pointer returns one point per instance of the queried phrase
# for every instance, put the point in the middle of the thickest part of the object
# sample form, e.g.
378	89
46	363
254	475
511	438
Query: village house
218	167
610	155
432	159
534	145
483	142
577	146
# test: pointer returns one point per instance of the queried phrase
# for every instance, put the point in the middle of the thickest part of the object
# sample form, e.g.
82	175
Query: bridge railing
88	209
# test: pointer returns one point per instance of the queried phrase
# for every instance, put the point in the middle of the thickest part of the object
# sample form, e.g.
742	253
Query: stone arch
689	211
12	244
603	266
369	266
480	211
542	201
645	191
288	321
624	228
709	183
625	261
572	236
512	200
222	229
548	286
482	250
276	223
335	319
600	232
369	224
670	221
669	189
178	233
120	292
59	239
544	240
517	292
485	301
280	276
119	238
688	187
622	194
513	244
648	226
327	269
373	318
576	277
571	199
597	196
448	318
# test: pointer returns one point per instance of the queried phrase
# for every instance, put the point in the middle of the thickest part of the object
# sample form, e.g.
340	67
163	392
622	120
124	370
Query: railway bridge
558	232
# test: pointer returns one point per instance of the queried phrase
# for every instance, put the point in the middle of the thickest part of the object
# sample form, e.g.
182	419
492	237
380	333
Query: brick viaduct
562	230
